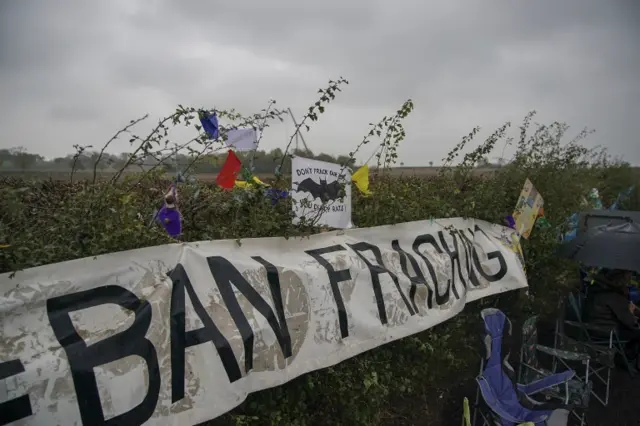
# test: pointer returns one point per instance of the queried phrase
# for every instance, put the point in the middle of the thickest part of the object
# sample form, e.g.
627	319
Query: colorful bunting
572	225
361	179
227	176
541	221
210	124
594	199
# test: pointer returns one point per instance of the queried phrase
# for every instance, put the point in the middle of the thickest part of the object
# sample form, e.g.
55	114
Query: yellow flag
244	184
361	179
259	182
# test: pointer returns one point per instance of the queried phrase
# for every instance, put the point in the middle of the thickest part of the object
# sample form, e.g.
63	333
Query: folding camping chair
512	404
530	369
599	343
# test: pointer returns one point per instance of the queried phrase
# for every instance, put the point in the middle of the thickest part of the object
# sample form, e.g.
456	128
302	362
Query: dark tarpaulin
606	246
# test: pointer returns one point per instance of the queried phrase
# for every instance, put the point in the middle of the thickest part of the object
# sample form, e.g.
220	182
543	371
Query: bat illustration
322	190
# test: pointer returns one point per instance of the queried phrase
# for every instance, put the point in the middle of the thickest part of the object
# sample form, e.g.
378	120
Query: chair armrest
566	355
546	382
589	327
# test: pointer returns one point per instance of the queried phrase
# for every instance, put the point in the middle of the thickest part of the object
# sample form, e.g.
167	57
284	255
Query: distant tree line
264	162
19	159
486	163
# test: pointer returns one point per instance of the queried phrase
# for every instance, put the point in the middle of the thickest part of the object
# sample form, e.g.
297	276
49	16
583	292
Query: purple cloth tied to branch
510	222
276	194
170	220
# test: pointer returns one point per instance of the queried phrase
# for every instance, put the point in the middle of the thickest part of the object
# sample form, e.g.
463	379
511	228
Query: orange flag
227	175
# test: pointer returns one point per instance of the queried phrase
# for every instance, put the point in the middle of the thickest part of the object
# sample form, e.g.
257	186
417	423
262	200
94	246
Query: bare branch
114	137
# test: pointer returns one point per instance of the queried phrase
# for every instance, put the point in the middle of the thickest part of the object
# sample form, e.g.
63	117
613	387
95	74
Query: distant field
208	177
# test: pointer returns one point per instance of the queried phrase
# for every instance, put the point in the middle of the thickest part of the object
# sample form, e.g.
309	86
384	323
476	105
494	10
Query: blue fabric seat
511	403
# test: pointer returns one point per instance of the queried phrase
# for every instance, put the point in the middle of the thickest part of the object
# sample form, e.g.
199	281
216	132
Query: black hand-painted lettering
417	279
454	255
469	249
430	239
276	294
83	358
227	277
182	339
17	408
335	278
502	271
376	271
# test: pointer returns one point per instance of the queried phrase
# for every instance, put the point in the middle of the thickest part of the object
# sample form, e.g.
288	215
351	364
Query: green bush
413	381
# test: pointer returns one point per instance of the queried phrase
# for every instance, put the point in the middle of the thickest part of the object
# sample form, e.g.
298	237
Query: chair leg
605	379
554	364
606	399
476	403
580	417
620	349
586	372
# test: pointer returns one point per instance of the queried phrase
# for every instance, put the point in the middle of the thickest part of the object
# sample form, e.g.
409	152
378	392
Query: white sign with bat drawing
321	193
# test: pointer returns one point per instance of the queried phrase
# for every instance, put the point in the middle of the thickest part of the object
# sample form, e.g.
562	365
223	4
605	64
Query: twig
114	137
144	142
79	151
264	122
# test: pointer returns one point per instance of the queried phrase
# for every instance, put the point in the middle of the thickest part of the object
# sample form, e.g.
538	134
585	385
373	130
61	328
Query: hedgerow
418	380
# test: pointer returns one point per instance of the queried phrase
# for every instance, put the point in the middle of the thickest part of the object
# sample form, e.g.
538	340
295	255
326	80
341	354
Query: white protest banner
316	189
180	334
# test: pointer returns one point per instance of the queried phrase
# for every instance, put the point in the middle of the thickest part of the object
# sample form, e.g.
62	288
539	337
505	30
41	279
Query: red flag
227	176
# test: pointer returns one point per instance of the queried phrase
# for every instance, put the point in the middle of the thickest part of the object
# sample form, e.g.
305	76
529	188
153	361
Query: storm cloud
74	72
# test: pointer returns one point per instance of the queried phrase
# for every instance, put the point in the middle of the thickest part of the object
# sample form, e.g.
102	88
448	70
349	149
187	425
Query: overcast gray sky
74	71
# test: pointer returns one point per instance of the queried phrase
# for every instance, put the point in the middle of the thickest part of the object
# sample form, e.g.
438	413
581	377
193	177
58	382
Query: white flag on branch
242	139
